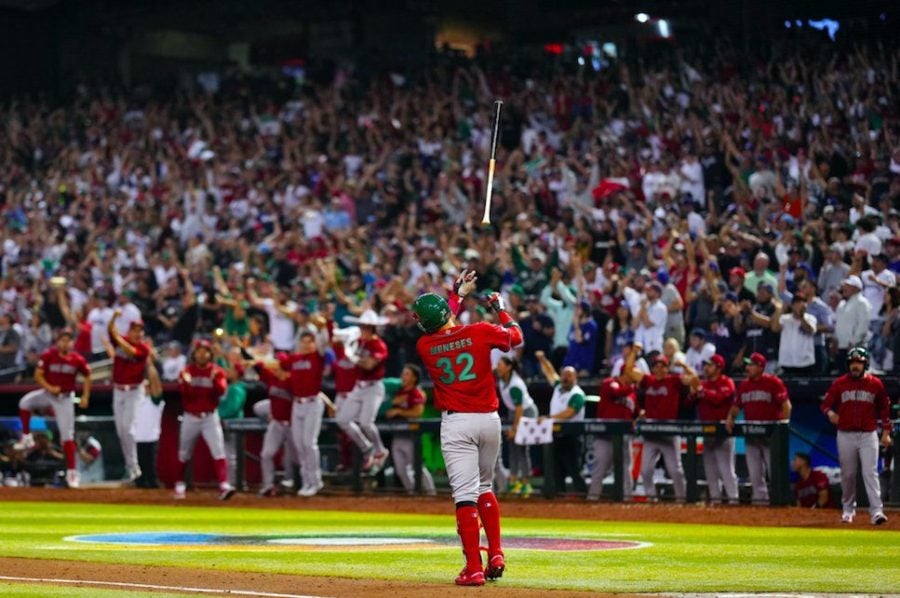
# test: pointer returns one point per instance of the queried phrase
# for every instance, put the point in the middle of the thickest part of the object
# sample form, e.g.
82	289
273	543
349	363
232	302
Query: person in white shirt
867	241
651	320
692	177
99	317
852	317
699	351
640	364
282	316
173	362
130	314
876	281
796	349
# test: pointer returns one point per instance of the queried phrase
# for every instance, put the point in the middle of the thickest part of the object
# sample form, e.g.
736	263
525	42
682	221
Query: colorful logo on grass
194	541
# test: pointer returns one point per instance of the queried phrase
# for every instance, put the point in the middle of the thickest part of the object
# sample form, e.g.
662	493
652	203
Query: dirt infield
533	508
231	582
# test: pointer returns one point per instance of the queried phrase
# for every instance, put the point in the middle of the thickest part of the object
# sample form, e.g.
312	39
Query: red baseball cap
660	359
757	358
737	271
137	324
282	358
717	360
202	344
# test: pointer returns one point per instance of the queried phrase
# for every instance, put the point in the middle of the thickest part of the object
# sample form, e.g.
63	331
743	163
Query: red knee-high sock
25	416
489	511
182	468
69	450
469	535
221	467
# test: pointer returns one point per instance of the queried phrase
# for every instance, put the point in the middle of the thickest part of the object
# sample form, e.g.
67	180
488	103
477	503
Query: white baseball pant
63	408
306	423
278	435
192	427
125	402
757	466
718	464
603	463
402	452
859	448
670	449
356	415
470	443
263	410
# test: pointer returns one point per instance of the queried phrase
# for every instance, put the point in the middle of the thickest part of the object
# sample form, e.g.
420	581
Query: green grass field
679	557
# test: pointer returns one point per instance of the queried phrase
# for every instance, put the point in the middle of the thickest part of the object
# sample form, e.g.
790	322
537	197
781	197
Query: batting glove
495	302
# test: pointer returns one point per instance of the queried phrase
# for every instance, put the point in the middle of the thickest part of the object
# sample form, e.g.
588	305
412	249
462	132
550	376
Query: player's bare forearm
85	393
786	410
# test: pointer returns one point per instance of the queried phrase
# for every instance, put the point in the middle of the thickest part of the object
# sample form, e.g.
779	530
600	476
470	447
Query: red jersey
458	361
61	370
344	371
662	396
409	398
306	373
617	400
130	370
808	490
377	350
82	343
858	403
761	398
279	392
715	399
202	393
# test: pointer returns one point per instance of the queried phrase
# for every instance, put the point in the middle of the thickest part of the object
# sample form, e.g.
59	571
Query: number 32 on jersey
459	370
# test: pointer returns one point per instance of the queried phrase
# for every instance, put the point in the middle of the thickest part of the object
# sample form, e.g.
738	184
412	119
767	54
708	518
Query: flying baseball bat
486	221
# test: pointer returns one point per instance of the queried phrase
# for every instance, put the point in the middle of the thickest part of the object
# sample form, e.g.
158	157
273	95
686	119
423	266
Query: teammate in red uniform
662	394
714	397
618	401
763	397
307	367
457	359
357	414
278	432
56	373
202	385
130	354
854	403
345	343
813	489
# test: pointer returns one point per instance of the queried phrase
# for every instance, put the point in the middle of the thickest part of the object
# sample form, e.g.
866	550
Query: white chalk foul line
148	586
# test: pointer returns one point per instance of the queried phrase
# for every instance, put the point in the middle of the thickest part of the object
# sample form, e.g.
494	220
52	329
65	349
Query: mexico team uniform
807	490
343	371
200	401
617	402
128	391
567	447
402	445
762	400
714	400
278	431
306	372
662	400
59	370
859	405
513	394
357	415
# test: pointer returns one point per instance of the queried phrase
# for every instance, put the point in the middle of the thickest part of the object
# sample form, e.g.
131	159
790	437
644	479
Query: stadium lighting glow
581	61
663	26
829	25
642	17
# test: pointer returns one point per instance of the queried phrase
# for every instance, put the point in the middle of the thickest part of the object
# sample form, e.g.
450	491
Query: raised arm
547	368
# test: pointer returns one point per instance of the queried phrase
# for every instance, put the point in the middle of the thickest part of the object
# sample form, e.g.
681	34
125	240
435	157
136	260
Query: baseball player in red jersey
357	414
618	401
202	385
457	359
343	371
854	403
56	373
129	367
714	398
662	396
813	489
278	433
408	403
307	367
763	397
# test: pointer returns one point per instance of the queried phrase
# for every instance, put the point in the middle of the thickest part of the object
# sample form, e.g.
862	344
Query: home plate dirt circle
170	540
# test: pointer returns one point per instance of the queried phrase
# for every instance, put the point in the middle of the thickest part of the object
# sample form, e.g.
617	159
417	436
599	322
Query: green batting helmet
858	354
431	312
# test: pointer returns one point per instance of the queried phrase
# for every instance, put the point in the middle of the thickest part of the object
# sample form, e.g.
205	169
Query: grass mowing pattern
22	590
683	558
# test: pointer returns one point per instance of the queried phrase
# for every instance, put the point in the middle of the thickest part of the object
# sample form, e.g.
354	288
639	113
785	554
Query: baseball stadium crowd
709	206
